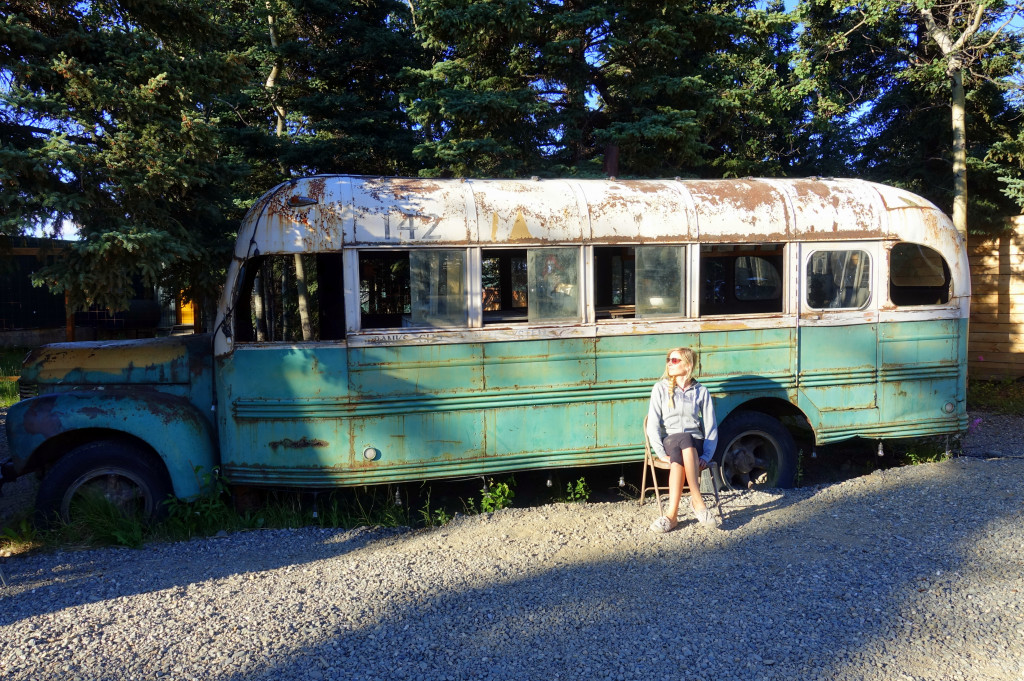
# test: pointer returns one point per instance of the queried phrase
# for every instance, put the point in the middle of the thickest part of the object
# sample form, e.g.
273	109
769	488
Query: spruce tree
106	124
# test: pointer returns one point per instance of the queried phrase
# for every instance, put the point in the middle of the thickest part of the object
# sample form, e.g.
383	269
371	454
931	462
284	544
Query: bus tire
119	472
755	451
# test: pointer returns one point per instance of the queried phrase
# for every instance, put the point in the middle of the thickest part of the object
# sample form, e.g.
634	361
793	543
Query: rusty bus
375	330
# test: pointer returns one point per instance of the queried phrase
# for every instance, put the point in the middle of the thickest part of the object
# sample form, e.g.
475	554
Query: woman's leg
692	464
675	492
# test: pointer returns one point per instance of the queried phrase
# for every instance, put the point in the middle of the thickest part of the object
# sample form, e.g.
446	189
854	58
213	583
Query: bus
377	330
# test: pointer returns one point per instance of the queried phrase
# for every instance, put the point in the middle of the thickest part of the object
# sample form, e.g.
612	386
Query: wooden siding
995	344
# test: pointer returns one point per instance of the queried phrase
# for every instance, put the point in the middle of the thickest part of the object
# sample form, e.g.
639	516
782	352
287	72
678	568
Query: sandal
661	525
706	517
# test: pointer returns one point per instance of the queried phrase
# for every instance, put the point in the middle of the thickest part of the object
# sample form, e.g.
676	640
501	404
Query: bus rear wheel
755	451
105	471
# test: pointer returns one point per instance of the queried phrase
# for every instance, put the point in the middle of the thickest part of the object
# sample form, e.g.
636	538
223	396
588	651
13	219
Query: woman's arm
710	425
654	424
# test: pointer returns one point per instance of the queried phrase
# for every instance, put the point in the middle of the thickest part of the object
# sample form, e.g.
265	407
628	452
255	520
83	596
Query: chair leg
657	489
713	470
649	469
643	484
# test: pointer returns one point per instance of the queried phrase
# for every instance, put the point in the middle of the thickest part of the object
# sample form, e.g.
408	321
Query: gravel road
910	573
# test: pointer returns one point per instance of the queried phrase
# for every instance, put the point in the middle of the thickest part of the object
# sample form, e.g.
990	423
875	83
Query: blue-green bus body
305	415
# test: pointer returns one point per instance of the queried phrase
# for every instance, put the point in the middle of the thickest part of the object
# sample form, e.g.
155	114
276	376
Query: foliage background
152	126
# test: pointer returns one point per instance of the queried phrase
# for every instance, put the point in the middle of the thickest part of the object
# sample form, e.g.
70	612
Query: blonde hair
690	357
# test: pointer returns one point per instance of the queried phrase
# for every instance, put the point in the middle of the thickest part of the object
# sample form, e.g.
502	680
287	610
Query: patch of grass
19	536
1000	397
98	523
911	452
10	366
927	452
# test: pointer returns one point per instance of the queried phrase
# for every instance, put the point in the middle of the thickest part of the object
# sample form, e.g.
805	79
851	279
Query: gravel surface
909	573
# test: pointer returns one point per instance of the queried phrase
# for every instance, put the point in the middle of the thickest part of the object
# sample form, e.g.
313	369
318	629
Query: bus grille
27	390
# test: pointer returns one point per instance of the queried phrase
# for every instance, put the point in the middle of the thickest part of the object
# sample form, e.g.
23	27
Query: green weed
496	495
578	491
207	514
376	508
97	522
434	517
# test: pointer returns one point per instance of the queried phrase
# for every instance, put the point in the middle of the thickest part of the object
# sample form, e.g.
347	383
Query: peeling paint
520	232
304	443
354	211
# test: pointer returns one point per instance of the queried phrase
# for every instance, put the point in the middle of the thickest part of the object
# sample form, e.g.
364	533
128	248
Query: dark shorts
677	442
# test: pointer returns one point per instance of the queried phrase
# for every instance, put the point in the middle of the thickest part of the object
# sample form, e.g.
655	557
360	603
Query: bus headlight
949	407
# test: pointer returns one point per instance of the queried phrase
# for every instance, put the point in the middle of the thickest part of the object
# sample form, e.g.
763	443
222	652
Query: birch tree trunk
953	49
958	106
303	296
302	292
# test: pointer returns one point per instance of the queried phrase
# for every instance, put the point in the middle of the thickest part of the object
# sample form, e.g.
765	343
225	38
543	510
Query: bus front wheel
755	451
110	472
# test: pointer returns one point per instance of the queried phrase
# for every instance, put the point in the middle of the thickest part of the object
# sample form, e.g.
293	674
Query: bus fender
171	426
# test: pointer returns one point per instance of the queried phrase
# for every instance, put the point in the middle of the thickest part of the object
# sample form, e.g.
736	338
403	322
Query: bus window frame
795	258
694	261
867	312
951	284
473	287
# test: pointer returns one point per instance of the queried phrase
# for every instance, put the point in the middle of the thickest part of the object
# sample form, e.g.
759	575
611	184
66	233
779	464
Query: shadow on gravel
877	581
145	570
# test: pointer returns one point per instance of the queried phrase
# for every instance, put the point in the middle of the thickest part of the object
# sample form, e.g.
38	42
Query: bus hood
156	361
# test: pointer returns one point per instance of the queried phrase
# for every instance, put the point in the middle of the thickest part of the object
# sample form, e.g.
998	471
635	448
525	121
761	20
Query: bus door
838	336
283	391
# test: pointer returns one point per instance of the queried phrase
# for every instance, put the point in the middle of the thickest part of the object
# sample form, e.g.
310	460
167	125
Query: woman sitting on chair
681	422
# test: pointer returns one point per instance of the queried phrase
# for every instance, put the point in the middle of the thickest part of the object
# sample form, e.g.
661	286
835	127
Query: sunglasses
675	360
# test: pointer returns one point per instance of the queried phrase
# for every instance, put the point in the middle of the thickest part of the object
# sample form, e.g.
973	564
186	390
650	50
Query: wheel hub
741	461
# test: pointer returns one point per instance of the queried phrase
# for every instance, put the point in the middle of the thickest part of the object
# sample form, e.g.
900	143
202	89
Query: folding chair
708	477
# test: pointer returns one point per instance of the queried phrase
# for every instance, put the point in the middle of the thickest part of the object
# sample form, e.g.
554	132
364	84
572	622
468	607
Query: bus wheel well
757	444
781	410
53	449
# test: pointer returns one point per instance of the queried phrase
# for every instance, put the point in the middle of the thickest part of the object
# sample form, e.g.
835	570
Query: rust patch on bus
304	443
315	188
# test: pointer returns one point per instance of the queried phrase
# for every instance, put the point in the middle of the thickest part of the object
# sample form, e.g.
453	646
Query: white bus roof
331	212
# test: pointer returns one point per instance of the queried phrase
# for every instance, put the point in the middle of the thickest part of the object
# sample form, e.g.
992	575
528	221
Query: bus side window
838	280
659	281
757	279
504	285
383	289
553	275
278	301
740	279
330	292
614	281
438	288
918	275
